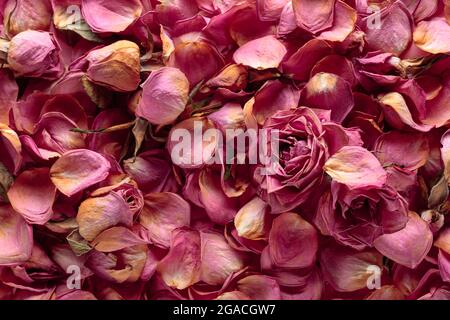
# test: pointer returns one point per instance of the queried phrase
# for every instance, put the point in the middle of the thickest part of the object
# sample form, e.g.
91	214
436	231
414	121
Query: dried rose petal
11	148
121	57
262	53
16	237
432	36
164	97
219	260
416	236
224	149
314	16
251	220
181	267
293	242
8	94
393	34
259	287
35	54
77	170
331	92
406	150
163	213
22	15
32	195
110	16
348	270
356	167
98	214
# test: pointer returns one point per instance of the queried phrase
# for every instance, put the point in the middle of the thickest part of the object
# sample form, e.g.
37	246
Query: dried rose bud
116	66
35	54
434	219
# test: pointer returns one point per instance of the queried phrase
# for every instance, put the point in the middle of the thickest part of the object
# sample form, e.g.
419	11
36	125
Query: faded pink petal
270	10
394	33
337	65
421	9
437	112
162	213
263	53
34	151
67	105
230	116
100	213
310	287
77	170
9	91
328	91
198	60
35	54
152	171
185	147
251	220
111	143
432	35
27	112
387	292
293	242
349	270
233	295
218	206
398	114
78	295
444	265
53	133
181	267
172	11
408	246
110	15
65	258
314	16
246	25
338	137
126	265
219	260
115	239
233	77
10	148
32	195
287	23
406	150
299	65
272	97
16	237
120	57
164	97
343	24
259	287
443	241
356	167
22	15
445	154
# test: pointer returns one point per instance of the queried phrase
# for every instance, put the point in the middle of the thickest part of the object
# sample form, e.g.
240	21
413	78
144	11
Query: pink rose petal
408	246
356	167
263	53
32	195
77	170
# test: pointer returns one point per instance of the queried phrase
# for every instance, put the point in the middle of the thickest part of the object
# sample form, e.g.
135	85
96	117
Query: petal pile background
93	205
